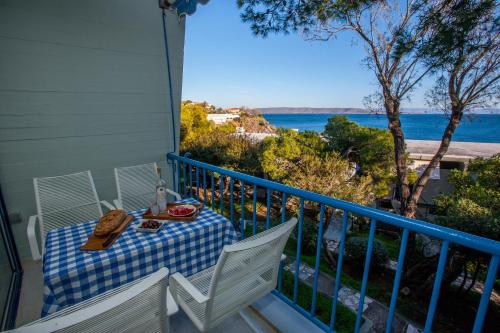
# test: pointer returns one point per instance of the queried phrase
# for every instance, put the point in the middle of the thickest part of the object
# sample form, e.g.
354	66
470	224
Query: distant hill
286	110
299	110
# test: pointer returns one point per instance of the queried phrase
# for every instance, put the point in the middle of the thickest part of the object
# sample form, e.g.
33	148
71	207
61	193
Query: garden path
373	311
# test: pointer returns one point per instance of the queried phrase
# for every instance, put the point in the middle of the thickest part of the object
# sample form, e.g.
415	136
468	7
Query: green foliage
273	16
356	250
484	172
474	206
309	236
279	153
392	245
371	148
404	43
193	123
221	147
228	128
464	54
302	160
332	176
461	29
217	145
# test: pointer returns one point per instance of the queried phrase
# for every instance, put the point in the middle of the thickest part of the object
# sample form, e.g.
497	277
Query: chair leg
167	324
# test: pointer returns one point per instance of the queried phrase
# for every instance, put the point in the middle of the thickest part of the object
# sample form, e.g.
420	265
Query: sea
473	127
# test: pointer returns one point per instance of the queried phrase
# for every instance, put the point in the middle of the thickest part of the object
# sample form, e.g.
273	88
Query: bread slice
109	222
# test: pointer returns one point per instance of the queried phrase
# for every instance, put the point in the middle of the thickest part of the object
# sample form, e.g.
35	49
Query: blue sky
226	65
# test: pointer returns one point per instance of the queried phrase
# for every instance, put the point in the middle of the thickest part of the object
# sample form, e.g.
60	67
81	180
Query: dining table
72	275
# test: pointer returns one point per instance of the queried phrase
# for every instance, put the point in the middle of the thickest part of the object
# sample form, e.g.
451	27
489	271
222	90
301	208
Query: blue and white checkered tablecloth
71	275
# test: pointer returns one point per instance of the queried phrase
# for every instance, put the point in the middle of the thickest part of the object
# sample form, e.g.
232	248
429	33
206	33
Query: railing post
212	178
184	178
174	173
254	210
242	226
221	193
283	208
397	280
268	209
437	287
231	199
204	186
190	180
369	250
297	256
197	184
179	176
338	273
318	258
283	218
485	298
184	170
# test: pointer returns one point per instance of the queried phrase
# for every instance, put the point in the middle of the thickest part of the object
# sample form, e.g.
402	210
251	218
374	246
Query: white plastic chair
62	201
143	305
245	272
136	186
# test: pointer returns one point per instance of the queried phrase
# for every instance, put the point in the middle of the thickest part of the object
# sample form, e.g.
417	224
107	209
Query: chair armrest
118	204
172	307
107	205
175	194
92	307
35	252
262	237
178	280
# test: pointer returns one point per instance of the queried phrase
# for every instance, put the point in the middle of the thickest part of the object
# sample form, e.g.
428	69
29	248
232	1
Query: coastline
477	128
353	110
458	150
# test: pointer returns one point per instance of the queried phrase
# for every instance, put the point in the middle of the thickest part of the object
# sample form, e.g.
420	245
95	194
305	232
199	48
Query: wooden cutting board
95	243
167	216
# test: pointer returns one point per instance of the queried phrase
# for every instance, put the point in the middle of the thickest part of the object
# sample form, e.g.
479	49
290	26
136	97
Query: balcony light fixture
183	7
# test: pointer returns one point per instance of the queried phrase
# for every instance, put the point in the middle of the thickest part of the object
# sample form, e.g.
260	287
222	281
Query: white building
221	118
259	137
234	110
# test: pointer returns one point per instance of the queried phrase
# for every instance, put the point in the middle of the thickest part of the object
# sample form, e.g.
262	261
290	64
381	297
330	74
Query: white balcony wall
83	86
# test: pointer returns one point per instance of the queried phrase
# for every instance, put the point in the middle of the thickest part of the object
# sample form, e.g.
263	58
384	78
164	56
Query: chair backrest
136	185
139	306
246	271
66	200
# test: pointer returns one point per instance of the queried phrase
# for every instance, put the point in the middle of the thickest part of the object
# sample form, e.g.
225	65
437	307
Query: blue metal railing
447	235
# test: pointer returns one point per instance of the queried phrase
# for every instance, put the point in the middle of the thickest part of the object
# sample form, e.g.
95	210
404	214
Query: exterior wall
83	86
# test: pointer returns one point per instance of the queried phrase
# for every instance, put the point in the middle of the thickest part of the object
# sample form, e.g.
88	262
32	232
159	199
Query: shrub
309	237
372	149
356	250
474	205
226	150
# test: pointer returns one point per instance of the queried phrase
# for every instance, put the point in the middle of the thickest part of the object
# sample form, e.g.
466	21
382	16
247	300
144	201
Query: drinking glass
162	205
155	209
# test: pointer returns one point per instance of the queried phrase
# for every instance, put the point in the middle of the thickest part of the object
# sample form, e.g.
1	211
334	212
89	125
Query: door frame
8	317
